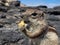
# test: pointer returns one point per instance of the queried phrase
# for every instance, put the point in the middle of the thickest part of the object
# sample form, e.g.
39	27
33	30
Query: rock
22	10
52	11
3	16
57	7
55	12
52	18
9	31
41	6
3	9
9	37
1	25
15	4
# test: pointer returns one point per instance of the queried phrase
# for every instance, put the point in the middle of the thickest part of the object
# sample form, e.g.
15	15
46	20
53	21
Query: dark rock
1	25
8	21
3	16
52	18
42	6
10	34
10	37
55	12
52	11
15	4
3	9
57	7
22	10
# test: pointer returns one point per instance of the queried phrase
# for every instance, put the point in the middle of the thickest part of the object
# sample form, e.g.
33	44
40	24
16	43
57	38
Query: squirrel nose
26	21
22	16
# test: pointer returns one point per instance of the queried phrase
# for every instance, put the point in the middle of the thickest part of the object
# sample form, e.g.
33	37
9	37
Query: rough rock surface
9	32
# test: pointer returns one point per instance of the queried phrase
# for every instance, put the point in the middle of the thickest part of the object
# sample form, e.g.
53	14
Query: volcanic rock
41	6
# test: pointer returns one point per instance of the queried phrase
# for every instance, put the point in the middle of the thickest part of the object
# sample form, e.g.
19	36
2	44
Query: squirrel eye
34	14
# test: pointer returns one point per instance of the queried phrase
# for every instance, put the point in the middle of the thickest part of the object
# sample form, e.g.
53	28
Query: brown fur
52	29
39	32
